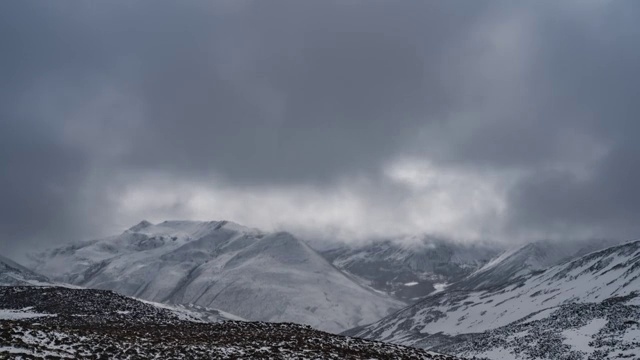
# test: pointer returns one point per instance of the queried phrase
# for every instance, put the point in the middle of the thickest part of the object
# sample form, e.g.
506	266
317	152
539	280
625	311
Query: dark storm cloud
587	85
605	204
268	95
298	91
567	123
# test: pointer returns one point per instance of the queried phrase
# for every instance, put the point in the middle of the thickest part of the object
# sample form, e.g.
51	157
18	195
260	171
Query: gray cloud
529	109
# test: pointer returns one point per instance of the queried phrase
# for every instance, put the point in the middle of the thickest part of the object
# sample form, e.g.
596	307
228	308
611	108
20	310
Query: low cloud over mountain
472	120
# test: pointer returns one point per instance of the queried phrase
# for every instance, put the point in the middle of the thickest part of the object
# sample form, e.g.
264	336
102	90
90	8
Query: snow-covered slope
196	313
222	265
12	273
411	268
593	278
605	330
64	323
526	259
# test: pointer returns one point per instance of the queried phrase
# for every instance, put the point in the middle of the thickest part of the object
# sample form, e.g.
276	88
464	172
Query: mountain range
577	304
252	274
542	300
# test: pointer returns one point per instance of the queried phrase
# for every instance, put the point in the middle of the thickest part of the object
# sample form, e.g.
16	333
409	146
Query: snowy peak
222	265
139	226
187	228
283	248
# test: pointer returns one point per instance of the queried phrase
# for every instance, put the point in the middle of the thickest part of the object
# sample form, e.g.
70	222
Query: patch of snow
496	354
579	338
439	287
632	335
12	314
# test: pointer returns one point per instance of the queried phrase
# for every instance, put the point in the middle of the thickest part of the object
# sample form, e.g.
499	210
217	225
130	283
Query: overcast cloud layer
471	120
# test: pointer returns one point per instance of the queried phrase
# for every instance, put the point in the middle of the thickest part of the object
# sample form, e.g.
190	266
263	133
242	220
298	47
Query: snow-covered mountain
246	272
441	319
526	259
412	268
65	323
12	273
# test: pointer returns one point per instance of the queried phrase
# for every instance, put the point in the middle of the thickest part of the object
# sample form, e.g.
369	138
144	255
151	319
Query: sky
471	120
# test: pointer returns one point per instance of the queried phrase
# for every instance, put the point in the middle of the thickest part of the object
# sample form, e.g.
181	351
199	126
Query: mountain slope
12	273
222	265
55	322
605	330
411	269
526	259
433	321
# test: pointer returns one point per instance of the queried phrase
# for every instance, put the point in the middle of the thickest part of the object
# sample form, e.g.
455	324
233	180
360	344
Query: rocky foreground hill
58	322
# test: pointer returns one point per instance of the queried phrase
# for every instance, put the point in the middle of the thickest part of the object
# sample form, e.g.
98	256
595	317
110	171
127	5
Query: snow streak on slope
222	265
613	272
195	313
